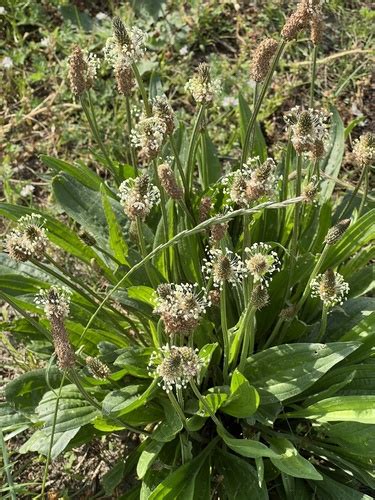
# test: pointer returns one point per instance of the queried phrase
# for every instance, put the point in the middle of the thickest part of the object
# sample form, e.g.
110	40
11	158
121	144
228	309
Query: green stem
163	213
142	247
178	409
192	144
205	405
142	89
323	323
224	329
365	191
7	466
96	134
266	84
274	334
76	380
129	125
249	334
52	436
313	75
353	195
204	162
178	163
313	275
252	139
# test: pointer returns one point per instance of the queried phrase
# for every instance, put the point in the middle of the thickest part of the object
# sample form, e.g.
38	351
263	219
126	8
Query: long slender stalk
323	323
96	135
184	234
353	195
178	163
163	214
45	475
262	94
7	467
313	75
224	330
248	337
178	409
129	125
192	144
252	140
76	380
365	191
205	405
142	90
204	169
312	276
142	246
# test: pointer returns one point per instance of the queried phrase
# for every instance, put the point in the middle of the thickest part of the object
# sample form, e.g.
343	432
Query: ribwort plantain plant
222	316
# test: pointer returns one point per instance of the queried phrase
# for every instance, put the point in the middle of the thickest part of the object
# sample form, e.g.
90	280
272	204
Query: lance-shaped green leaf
291	462
284	371
246	447
340	408
116	237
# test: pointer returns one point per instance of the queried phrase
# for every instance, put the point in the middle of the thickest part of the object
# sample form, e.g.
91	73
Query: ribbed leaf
284	371
341	408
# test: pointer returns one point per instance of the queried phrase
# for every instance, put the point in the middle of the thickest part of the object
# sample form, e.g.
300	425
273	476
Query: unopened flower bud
336	232
98	369
87	238
288	313
309	192
259	297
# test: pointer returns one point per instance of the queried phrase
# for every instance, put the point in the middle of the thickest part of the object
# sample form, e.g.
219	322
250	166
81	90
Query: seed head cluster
82	70
364	150
181	307
202	87
148	135
261	262
330	287
138	196
56	303
98	369
176	366
259	297
223	266
309	130
28	239
262	59
254	181
126	44
307	14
